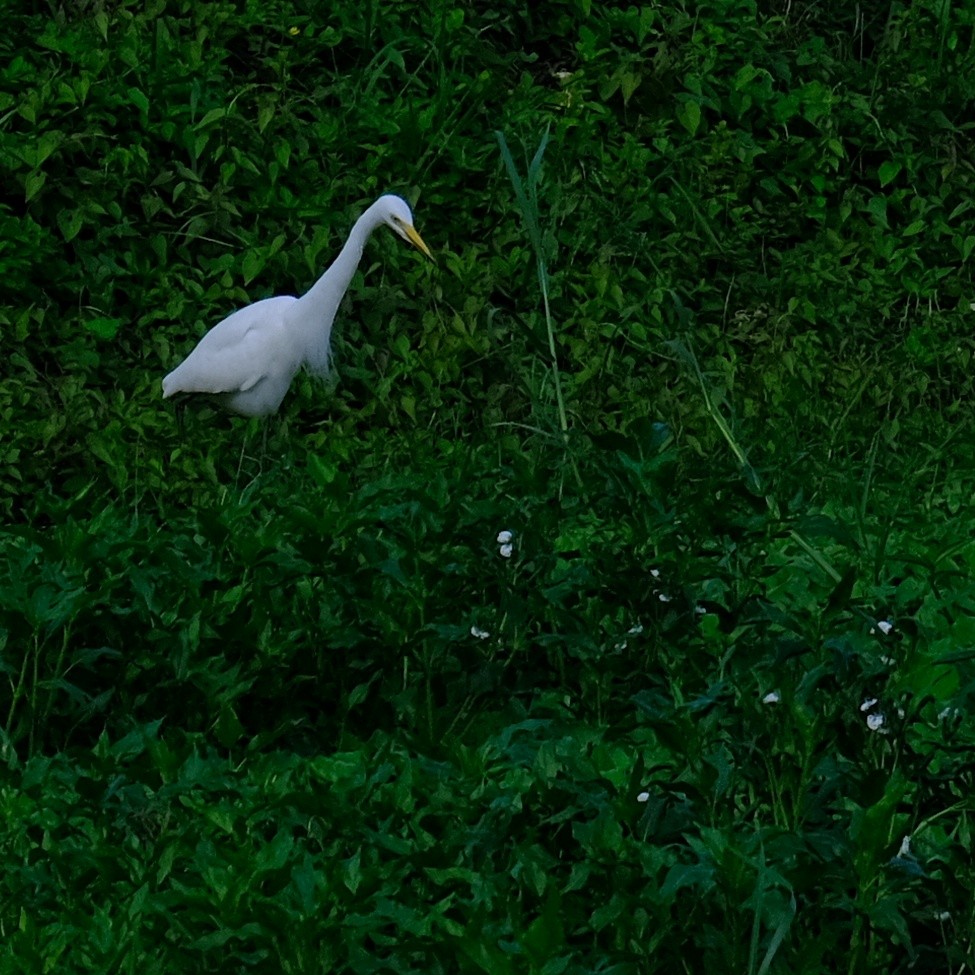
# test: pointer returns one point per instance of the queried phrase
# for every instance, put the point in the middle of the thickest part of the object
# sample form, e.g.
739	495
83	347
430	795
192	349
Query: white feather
247	361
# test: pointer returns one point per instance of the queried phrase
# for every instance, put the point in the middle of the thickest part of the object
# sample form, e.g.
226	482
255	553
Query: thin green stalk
526	193
58	672
701	219
815	555
563	418
18	691
749	472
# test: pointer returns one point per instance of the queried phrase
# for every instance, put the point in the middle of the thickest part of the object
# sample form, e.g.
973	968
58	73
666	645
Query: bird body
247	361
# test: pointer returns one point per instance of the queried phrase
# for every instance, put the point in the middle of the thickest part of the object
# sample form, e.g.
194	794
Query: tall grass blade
528	202
686	354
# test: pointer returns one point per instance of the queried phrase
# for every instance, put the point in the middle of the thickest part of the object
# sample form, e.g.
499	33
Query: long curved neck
311	316
326	293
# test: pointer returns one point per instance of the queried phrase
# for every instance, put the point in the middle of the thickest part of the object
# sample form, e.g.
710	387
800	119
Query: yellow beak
417	241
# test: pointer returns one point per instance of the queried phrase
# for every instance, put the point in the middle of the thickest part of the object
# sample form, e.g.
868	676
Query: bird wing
237	353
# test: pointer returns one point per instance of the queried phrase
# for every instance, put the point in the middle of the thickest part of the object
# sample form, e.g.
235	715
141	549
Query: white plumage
247	361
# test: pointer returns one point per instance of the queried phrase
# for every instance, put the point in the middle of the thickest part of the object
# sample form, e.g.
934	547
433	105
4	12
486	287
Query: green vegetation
700	337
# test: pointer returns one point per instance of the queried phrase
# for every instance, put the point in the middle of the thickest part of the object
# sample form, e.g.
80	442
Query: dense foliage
699	337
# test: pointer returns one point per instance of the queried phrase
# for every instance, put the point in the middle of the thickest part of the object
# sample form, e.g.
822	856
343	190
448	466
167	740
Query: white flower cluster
635	630
506	542
876	720
662	596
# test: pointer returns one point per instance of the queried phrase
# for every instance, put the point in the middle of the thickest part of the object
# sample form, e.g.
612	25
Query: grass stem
526	193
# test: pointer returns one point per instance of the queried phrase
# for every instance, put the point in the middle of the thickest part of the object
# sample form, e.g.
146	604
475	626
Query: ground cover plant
612	608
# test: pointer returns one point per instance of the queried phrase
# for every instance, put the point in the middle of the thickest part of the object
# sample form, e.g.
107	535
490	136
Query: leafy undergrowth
612	611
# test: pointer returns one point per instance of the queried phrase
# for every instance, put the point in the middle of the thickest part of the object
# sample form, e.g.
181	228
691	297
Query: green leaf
877	208
214	115
139	100
888	172
265	112
874	828
746	74
322	469
527	202
252	264
274	855
352	871
545	937
70	223
629	83
358	694
483	952
886	915
33	184
103	327
228	728
687	875
689	115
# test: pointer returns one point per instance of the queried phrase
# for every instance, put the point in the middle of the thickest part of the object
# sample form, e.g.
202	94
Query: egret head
397	215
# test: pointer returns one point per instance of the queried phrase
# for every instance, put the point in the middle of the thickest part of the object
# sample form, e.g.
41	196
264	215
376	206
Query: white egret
247	361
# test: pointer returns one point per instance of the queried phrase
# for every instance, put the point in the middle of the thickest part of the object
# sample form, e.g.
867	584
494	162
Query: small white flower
887	661
655	573
636	629
663	597
773	697
504	537
643	797
479	633
875	722
905	850
868	704
700	610
885	626
943	915
620	647
506	549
